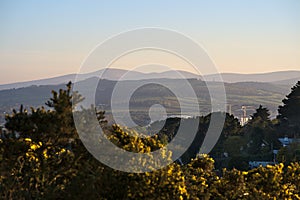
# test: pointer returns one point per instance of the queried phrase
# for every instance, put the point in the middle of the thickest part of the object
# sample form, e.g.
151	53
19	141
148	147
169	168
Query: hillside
261	77
238	94
110	74
281	78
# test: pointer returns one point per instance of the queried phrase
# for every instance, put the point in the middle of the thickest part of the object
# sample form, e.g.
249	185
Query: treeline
47	160
256	141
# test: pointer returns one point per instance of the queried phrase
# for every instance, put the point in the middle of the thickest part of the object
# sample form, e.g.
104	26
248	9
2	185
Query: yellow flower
194	178
170	171
34	146
182	190
45	154
27	139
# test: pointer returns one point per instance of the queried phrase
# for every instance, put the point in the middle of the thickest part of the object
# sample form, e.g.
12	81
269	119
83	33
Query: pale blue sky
41	39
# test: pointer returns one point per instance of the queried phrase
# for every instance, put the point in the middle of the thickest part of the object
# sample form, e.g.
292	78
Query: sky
40	39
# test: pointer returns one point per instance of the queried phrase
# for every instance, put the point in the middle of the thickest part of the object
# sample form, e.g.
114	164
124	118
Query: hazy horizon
45	39
60	75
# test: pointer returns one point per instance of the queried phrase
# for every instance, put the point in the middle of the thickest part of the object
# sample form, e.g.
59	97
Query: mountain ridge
238	94
278	77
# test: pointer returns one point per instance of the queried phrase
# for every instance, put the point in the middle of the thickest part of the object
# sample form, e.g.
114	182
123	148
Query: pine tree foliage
49	161
289	112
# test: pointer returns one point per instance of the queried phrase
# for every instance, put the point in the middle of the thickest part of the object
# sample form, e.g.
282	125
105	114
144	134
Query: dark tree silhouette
289	112
260	131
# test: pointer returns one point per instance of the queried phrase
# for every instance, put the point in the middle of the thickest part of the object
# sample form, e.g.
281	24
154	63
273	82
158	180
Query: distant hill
253	89
281	77
290	82
48	81
238	94
110	74
262	77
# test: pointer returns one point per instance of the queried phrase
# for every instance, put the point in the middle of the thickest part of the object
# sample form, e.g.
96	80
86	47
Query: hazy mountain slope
48	81
172	74
110	74
289	82
283	77
31	96
263	77
244	93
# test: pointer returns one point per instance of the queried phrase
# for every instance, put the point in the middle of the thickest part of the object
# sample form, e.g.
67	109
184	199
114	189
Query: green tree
289	113
260	132
41	162
49	161
289	153
200	177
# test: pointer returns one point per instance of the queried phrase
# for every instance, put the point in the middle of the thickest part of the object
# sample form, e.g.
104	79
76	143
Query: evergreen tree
260	132
289	112
33	167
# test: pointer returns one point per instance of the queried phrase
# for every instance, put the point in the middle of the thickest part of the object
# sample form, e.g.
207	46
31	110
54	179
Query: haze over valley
251	90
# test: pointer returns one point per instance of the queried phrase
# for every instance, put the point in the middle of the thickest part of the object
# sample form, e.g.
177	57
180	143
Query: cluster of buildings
285	142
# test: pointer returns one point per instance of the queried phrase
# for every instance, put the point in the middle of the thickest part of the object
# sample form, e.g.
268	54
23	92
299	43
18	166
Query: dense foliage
289	112
48	161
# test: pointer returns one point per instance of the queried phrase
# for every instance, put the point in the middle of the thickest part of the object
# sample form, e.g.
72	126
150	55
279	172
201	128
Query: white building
287	141
244	120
